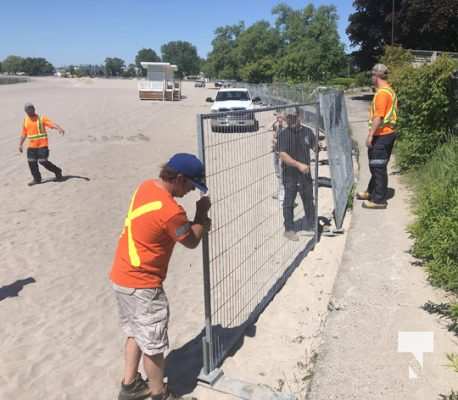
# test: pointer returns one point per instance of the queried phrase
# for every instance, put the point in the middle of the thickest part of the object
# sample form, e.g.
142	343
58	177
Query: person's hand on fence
203	205
207	224
303	168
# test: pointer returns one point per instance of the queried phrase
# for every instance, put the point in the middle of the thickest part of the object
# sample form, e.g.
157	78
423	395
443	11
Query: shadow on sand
14	288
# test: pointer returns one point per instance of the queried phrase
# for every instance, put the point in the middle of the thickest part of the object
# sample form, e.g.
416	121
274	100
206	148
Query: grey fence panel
335	121
247	257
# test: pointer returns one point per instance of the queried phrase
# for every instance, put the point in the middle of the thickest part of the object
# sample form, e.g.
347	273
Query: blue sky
87	31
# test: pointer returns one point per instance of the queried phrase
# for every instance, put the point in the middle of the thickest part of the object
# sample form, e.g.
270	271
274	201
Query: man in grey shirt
295	142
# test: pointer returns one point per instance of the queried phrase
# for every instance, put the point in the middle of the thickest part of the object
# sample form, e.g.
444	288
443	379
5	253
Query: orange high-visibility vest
37	137
390	118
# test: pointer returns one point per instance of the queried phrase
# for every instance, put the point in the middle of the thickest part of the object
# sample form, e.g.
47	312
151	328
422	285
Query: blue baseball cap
191	167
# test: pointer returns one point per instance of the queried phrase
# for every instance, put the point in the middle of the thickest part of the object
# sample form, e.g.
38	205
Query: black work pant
302	184
40	156
379	156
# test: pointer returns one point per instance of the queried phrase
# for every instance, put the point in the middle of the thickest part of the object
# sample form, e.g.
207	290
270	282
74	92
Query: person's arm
376	123
59	129
381	101
21	143
22	138
200	225
288	160
52	125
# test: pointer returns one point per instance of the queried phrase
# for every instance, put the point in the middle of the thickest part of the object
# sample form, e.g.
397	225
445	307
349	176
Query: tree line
301	45
28	65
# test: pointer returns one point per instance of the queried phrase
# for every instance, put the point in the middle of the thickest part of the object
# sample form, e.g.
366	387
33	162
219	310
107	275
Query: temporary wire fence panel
246	254
338	140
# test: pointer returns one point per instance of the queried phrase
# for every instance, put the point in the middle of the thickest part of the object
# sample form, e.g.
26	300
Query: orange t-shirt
381	105
30	127
154	233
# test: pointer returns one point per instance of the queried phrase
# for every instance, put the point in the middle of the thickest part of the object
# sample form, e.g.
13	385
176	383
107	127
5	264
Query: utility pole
392	25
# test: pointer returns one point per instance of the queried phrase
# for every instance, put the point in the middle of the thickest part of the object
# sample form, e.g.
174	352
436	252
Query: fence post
207	338
209	373
317	160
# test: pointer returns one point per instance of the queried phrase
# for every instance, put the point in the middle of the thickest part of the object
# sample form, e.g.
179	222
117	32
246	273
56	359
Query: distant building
422	57
160	82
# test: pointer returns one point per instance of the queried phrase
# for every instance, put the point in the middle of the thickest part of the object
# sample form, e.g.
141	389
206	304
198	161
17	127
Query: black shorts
39	154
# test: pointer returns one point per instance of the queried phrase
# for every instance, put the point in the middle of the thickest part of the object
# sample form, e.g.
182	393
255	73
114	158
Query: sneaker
374	206
363	196
34	182
168	395
137	390
59	176
291	235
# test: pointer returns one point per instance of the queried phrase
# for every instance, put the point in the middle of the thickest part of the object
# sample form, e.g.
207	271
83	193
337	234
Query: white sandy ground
60	334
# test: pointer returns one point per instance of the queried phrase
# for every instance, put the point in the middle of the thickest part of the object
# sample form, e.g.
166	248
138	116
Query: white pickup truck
237	103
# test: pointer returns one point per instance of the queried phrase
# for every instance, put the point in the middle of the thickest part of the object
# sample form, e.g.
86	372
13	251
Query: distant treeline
33	66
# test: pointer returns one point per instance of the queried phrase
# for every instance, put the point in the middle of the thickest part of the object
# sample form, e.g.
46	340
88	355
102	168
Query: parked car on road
233	111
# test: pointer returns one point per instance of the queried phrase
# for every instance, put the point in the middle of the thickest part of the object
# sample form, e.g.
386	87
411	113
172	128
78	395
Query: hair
167	173
380	70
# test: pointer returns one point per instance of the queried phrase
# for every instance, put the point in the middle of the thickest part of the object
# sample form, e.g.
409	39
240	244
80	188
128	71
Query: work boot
291	235
168	395
137	390
59	177
363	196
373	206
34	182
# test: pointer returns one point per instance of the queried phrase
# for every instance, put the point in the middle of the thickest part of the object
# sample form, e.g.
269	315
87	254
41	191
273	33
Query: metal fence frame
340	155
210	371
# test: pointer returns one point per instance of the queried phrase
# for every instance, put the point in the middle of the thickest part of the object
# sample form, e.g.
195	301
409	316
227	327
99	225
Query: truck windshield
235	95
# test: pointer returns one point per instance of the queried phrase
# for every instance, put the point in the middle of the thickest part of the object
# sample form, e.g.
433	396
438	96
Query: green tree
183	55
222	60
419	24
131	71
13	64
260	40
145	55
37	66
313	49
114	66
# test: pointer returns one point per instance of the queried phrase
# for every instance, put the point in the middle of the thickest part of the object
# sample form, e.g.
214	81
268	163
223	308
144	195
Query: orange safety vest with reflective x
35	131
154	223
385	106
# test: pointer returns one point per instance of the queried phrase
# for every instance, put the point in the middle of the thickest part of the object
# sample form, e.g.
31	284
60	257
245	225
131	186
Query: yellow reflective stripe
40	136
131	215
390	118
40	125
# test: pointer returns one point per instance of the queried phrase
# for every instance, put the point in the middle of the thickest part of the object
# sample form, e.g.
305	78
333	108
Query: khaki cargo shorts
144	315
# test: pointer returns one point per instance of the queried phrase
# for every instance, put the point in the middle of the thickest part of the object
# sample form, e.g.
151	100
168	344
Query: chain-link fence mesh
267	211
264	213
336	127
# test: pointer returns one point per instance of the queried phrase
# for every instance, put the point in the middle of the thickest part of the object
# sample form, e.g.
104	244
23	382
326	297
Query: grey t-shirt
297	143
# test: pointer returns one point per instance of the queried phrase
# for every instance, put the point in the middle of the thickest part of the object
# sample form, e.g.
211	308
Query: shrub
344	83
425	102
436	207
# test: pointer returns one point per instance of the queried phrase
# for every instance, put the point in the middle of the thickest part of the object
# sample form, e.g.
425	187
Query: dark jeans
302	184
40	156
379	156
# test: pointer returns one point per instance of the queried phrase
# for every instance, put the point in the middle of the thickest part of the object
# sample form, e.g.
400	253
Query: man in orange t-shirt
154	223
34	130
380	140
